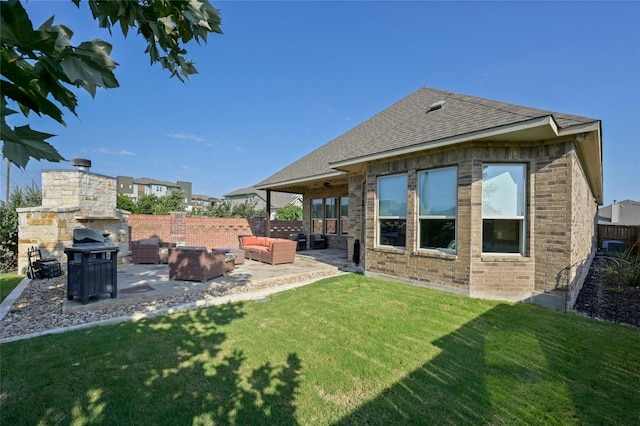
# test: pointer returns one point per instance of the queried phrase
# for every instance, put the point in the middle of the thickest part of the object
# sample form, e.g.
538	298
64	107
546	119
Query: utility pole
6	199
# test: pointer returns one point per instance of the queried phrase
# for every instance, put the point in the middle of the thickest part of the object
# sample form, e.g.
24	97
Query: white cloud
190	168
185	136
122	153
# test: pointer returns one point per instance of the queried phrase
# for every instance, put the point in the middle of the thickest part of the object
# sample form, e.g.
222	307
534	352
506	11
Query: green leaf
24	143
90	65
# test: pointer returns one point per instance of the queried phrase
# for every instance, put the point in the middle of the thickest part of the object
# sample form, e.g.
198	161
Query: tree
29	196
38	65
125	203
146	204
246	209
220	210
170	203
289	212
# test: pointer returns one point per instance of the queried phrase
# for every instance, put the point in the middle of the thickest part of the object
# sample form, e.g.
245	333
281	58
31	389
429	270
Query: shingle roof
278	199
407	123
149	181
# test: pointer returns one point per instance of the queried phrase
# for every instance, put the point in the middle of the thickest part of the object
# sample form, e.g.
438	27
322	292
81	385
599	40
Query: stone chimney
81	164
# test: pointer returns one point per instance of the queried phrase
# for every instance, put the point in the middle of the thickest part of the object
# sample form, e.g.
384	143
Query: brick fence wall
205	231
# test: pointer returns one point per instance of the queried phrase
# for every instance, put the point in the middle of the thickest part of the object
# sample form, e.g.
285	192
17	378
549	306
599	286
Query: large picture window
392	210
344	215
503	208
331	215
438	198
317	225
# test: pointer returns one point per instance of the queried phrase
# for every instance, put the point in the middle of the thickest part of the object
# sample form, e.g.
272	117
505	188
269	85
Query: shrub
28	196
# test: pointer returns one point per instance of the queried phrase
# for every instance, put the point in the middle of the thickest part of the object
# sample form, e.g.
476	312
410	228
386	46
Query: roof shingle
407	123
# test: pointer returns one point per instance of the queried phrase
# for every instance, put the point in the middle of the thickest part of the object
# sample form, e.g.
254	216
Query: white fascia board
592	126
546	121
301	180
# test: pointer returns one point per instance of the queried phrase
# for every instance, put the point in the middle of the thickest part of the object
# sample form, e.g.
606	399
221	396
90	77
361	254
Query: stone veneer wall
70	199
92	194
560	222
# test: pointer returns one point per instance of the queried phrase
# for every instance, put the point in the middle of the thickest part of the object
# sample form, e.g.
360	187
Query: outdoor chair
196	264
150	250
40	268
317	241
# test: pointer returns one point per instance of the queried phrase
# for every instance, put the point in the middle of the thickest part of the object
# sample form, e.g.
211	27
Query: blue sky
287	77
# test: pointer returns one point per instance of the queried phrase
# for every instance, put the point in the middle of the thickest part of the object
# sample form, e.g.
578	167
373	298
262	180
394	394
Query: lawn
8	281
345	350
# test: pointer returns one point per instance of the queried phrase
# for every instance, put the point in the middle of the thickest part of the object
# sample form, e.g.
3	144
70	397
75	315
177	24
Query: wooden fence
630	235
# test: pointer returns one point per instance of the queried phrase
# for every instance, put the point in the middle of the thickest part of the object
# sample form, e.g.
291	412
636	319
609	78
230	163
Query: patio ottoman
237	252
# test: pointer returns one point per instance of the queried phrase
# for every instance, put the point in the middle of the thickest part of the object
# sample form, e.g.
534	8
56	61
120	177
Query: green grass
345	350
8	282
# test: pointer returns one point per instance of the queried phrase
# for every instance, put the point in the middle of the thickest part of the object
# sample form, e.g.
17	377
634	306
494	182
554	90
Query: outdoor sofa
269	250
150	250
197	264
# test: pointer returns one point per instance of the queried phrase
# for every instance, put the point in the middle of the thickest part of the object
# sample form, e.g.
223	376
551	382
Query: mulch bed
603	298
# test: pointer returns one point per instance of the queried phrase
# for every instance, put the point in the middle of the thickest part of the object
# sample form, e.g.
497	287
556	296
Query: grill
91	266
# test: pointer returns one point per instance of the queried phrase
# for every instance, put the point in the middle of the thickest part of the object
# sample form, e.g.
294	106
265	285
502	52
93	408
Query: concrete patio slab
137	283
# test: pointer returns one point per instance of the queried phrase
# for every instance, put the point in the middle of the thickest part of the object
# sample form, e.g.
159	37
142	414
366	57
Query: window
316	216
503	208
331	215
344	215
438	197
392	210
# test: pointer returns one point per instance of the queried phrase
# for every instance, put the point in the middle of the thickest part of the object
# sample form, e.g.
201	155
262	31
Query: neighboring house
471	195
624	213
619	223
134	188
202	203
259	196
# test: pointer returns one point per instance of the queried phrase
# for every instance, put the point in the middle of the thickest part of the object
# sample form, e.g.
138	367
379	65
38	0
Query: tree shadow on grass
489	372
170	370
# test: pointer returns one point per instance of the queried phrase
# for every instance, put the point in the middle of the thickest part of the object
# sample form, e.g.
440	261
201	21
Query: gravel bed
39	307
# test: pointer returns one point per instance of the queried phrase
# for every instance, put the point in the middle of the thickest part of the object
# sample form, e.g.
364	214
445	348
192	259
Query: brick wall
205	231
559	217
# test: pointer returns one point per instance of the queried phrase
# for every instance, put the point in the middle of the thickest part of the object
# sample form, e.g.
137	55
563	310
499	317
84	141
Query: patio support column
268	214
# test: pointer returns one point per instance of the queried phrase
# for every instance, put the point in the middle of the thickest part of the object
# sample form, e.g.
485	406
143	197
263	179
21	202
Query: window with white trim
392	210
437	210
503	208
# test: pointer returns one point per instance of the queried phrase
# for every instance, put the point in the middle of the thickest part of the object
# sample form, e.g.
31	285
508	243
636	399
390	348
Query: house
456	192
623	213
619	226
259	197
201	203
136	187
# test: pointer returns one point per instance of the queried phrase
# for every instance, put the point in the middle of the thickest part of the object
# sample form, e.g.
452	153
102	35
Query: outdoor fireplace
91	266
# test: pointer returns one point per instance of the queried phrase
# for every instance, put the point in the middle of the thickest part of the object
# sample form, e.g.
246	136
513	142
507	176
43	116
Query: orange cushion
249	241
